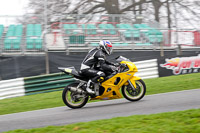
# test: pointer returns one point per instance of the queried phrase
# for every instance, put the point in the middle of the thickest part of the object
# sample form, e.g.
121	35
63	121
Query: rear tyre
73	99
136	94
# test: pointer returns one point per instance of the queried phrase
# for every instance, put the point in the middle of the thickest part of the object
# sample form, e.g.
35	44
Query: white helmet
106	46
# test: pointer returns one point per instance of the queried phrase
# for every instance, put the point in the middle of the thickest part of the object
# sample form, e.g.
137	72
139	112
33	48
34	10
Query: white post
176	25
44	37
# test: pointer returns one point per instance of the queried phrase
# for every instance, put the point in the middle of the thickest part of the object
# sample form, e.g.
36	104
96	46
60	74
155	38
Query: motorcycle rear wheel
71	99
131	95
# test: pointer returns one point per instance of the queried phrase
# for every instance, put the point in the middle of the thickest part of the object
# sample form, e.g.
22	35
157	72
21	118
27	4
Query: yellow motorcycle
113	86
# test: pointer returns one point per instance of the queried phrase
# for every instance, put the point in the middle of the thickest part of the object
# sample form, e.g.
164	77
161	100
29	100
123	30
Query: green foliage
172	122
54	99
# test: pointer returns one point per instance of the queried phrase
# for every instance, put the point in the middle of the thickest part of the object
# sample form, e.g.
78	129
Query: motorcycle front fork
132	86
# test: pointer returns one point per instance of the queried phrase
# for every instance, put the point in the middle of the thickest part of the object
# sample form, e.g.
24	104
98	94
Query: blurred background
37	36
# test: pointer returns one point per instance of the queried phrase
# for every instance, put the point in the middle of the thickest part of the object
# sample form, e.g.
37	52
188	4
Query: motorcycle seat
77	73
72	72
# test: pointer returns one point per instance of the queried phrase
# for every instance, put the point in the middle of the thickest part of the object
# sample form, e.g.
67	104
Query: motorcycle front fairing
112	86
132	70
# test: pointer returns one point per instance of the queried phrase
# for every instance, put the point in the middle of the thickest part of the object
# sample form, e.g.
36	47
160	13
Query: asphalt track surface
150	104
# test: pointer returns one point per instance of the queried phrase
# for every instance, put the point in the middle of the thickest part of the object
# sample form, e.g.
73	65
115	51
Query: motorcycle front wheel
73	99
134	94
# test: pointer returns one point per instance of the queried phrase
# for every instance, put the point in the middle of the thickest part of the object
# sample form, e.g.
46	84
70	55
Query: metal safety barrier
46	83
12	88
147	69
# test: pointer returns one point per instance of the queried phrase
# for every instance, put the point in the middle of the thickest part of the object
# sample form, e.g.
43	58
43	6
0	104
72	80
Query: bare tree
168	14
60	9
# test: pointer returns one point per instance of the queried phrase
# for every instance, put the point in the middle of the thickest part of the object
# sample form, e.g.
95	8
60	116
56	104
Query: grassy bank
53	99
171	122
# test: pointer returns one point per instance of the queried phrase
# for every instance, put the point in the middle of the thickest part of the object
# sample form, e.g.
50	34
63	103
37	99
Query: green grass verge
54	99
173	83
171	122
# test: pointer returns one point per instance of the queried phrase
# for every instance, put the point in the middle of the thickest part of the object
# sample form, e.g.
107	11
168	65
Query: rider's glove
115	69
116	64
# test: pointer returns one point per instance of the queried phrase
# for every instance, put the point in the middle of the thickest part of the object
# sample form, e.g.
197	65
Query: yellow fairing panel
111	87
130	65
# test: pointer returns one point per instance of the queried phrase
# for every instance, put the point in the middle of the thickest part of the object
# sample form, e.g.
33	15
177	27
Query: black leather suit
95	65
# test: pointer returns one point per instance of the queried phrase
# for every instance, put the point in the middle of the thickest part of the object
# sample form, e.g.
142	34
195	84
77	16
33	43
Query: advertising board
179	65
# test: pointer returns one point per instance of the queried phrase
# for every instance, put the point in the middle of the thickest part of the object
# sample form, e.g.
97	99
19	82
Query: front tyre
73	99
136	94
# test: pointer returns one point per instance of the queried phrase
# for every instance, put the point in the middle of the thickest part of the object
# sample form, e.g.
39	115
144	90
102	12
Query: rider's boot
90	91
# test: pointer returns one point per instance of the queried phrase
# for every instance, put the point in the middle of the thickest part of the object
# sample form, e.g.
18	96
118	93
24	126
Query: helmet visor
109	49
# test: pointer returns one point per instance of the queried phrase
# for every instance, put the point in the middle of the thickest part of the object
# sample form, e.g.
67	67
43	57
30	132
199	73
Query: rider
96	57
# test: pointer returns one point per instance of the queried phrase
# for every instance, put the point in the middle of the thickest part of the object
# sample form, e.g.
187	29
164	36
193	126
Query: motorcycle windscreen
122	58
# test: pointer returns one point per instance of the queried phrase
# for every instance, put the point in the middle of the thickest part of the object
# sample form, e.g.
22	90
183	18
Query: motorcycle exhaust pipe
74	89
